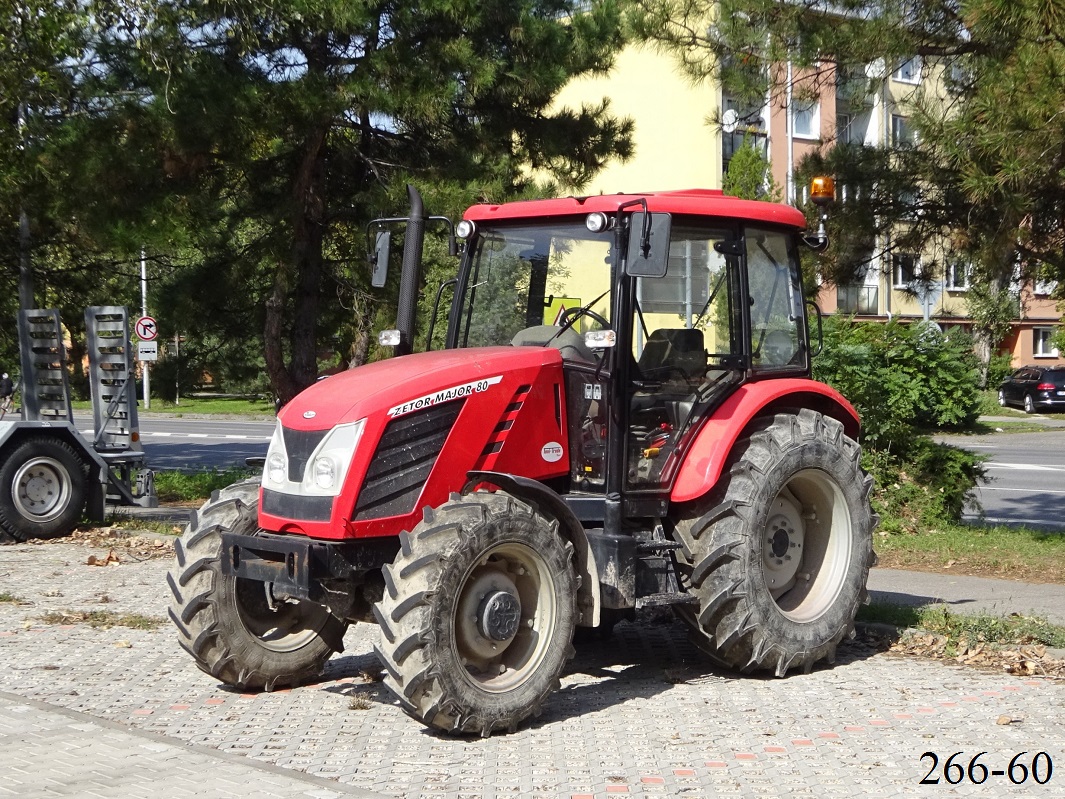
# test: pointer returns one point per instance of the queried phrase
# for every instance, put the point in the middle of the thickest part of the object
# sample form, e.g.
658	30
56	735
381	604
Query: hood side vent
404	458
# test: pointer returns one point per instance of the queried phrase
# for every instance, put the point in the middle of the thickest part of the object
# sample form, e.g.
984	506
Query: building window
1041	346
909	71
858	299
843	128
958	276
805	119
1044	288
902	134
903	269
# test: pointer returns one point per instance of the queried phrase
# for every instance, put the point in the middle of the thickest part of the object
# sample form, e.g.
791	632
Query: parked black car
1034	388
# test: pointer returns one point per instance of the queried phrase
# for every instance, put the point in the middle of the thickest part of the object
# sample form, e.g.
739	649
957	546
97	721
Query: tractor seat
673	352
570	343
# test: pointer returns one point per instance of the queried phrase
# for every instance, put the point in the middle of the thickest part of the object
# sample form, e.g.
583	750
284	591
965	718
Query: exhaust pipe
407	311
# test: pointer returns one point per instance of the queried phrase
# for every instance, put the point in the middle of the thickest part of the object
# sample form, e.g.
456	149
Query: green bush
998	369
905	380
921	484
902	378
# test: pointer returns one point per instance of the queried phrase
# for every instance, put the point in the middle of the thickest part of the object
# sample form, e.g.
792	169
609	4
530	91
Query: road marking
1020	490
1024	467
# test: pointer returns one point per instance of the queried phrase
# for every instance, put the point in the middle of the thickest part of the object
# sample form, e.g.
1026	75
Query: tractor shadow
639	660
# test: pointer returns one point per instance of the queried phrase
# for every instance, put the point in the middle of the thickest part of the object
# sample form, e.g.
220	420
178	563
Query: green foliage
900	377
968	629
1000	367
904	379
922	484
245	145
185	487
748	175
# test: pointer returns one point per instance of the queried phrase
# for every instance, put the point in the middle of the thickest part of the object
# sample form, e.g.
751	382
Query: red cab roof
696	202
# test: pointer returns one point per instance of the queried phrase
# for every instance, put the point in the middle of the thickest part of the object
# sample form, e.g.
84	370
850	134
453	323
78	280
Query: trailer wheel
779	555
478	614
234	628
42	489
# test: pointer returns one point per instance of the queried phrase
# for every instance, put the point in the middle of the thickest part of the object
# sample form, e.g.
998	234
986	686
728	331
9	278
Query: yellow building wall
675	145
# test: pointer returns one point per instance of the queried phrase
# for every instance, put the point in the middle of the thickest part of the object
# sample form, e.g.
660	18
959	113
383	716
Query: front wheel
236	629
43	484
779	555
1002	398
478	614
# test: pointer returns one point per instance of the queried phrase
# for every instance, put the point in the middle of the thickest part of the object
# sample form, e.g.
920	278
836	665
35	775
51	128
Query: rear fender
709	452
552	505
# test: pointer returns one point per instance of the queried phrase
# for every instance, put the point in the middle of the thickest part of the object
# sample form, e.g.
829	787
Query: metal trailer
50	475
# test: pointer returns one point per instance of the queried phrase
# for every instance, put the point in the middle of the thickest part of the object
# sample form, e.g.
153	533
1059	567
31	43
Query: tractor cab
661	306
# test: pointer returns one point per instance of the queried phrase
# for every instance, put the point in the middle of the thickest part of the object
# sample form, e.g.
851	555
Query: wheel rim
1028	404
504	617
1001	399
806	546
42	489
281	625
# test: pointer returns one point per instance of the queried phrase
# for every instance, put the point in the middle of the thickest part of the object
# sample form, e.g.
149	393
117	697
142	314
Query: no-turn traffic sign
146	329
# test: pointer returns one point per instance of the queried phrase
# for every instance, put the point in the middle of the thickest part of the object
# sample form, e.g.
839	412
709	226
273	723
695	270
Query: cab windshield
525	277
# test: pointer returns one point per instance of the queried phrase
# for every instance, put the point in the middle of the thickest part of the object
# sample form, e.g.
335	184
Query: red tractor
623	418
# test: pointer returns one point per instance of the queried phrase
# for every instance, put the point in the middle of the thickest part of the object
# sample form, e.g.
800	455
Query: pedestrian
7	389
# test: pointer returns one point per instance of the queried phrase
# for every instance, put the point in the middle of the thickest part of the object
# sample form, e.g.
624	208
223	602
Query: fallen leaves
1023	661
122	546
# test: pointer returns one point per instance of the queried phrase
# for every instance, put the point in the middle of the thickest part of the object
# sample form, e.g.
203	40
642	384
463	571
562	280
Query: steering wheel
570	316
778	347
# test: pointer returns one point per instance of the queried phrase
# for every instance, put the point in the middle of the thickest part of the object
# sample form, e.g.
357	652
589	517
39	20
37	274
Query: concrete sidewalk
963	594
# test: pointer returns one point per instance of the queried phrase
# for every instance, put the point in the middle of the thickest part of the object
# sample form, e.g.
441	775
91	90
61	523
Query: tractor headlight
325	469
330	461
276	471
277	468
325	472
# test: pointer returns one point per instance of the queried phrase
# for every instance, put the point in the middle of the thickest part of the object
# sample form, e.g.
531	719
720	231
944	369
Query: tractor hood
401	385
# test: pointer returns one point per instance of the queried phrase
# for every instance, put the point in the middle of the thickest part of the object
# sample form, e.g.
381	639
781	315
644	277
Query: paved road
194	442
1026	476
123	713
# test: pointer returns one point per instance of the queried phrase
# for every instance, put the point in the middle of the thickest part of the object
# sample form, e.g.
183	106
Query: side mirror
382	247
648	252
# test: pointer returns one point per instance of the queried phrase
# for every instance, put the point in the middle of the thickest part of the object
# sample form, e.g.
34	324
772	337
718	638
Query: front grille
299	445
404	459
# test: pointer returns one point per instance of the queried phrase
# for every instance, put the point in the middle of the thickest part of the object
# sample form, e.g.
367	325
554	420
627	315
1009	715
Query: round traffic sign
146	329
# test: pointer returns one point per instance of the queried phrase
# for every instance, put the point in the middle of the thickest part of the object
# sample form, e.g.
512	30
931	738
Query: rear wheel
235	629
478	614
780	554
42	489
1029	404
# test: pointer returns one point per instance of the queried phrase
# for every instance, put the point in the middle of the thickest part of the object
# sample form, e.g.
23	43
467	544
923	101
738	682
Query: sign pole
145	365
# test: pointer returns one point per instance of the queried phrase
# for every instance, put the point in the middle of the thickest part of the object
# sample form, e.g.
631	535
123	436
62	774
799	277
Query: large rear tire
478	614
780	553
42	490
234	628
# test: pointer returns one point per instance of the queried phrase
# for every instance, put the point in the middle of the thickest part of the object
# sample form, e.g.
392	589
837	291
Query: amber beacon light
822	190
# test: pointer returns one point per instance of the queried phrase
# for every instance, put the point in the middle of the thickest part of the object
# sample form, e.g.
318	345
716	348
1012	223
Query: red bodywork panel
513	420
710	450
697	202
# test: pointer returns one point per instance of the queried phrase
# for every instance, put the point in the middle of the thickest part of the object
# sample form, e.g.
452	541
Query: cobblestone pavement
124	712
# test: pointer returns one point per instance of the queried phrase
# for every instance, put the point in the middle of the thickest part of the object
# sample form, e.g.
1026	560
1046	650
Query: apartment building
686	135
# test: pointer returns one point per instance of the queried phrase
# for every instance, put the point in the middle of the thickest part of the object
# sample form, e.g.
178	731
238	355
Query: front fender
709	452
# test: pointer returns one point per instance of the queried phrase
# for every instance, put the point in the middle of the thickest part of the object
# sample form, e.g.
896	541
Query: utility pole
25	273
145	365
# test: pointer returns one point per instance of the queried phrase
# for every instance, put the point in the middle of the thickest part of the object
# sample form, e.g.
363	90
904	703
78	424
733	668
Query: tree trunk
308	236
